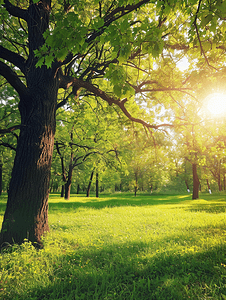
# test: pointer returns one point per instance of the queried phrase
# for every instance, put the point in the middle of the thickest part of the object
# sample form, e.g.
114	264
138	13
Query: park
119	246
112	149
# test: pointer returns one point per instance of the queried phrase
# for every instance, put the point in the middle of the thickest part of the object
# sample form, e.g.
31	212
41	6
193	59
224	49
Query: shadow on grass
116	200
213	205
122	272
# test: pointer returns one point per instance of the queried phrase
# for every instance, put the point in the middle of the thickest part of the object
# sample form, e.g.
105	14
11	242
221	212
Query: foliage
123	53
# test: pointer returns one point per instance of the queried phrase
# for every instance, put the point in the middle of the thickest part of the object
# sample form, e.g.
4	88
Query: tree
85	132
45	47
104	49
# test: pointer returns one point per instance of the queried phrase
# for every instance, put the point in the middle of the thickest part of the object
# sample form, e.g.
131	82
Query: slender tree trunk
219	177
67	190
62	193
196	182
1	177
208	185
64	178
69	180
136	184
78	188
97	184
89	185
219	183
186	182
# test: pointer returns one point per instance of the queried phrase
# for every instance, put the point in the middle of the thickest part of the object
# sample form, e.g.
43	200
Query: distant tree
99	48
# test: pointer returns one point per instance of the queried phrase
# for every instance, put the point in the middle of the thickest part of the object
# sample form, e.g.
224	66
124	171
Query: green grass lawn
123	247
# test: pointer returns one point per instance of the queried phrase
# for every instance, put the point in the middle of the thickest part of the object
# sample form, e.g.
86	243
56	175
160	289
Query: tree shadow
209	206
125	271
117	201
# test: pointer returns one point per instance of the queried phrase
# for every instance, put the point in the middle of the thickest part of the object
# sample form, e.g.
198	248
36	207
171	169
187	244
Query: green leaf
62	54
48	60
117	90
206	20
40	62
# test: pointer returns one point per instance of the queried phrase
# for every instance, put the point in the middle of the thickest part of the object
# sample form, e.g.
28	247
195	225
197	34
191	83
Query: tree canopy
125	53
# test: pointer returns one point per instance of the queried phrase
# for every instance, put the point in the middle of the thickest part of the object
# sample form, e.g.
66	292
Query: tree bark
62	193
196	182
69	178
186	182
64	178
136	184
219	182
26	214
89	185
97	184
219	177
1	178
78	188
68	183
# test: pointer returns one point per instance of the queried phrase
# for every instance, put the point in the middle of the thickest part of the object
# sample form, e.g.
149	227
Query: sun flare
216	104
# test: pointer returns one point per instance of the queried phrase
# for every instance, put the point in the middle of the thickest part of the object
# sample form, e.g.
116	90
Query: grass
122	247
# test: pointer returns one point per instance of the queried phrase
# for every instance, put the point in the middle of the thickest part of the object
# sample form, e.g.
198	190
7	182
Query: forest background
114	91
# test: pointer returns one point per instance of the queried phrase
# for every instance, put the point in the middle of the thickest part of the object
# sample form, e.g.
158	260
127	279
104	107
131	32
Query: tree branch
15	10
7	145
12	78
198	36
10	129
78	84
83	157
112	16
14	58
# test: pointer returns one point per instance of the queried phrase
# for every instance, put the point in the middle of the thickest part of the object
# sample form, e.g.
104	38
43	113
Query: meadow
122	247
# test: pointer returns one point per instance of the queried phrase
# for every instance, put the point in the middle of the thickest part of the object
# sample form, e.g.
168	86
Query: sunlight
216	104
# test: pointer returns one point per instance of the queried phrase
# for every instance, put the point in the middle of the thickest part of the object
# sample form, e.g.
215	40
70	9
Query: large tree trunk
196	182
26	214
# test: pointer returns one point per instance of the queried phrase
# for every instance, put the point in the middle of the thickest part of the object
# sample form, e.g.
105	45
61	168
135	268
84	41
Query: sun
216	104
